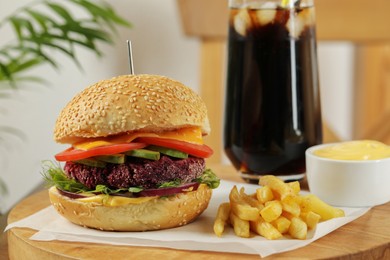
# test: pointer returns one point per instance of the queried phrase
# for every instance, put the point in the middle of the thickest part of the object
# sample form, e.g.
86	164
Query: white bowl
347	183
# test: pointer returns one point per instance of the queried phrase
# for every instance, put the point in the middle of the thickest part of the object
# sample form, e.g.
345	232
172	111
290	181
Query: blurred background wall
159	47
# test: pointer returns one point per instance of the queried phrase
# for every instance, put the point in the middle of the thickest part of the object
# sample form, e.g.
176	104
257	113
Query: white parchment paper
198	235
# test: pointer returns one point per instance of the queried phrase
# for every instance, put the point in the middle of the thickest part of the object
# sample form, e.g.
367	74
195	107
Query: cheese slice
104	141
114	201
189	134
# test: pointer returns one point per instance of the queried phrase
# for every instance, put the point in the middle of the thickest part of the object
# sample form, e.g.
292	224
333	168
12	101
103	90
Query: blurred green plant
42	29
47	25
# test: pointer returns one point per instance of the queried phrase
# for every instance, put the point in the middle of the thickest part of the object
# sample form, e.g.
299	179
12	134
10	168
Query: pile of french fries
276	209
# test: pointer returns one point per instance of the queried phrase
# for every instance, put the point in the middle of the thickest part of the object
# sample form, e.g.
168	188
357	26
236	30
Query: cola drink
272	108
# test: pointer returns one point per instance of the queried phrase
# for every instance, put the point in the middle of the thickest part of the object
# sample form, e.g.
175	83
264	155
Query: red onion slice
145	193
169	191
70	194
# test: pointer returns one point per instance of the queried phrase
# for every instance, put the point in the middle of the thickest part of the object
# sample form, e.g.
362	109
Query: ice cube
295	25
269	5
242	22
298	21
308	16
265	16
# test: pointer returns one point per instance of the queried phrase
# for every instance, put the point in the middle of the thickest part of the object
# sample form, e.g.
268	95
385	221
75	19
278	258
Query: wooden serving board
368	237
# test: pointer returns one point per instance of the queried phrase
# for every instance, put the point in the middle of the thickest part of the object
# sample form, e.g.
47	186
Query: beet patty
137	172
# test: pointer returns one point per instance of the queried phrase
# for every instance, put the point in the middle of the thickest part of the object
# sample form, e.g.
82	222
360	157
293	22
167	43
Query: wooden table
365	238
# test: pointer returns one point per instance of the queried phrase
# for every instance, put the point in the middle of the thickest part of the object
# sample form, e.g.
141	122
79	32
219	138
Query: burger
136	157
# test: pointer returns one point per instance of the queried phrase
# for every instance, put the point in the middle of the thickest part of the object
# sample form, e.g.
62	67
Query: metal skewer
130	51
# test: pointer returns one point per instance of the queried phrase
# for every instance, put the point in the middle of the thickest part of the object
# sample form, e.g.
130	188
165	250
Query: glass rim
269	4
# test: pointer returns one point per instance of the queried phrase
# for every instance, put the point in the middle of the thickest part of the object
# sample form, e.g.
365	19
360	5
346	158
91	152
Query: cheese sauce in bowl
350	174
355	151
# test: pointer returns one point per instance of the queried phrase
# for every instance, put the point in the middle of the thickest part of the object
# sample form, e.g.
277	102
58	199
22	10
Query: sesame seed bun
128	103
155	214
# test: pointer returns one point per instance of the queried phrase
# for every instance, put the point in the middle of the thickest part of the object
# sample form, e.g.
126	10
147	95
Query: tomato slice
72	154
202	151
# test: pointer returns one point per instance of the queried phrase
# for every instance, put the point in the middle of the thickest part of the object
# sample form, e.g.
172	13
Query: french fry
252	201
287	215
244	211
291	204
311	219
277	185
295	186
312	203
264	194
271	211
265	229
241	208
221	218
298	228
241	227
282	224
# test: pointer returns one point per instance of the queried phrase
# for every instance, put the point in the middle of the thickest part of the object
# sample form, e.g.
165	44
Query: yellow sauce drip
115	201
356	151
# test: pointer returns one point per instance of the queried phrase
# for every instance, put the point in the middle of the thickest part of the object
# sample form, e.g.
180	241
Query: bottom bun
157	213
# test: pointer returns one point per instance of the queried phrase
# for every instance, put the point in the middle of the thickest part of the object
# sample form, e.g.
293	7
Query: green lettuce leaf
209	178
54	175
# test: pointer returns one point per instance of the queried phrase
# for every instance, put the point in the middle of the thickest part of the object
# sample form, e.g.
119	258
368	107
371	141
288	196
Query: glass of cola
272	106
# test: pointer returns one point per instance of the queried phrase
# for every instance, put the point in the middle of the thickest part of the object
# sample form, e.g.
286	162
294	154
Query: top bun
128	103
